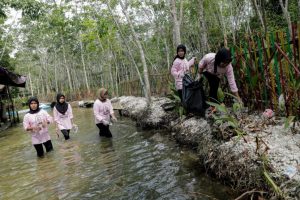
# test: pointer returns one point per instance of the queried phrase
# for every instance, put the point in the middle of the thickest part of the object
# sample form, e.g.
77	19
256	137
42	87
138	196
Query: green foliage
288	121
220	94
227	117
268	179
174	96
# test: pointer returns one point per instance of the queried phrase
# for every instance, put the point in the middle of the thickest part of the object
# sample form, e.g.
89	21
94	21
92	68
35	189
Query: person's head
33	104
60	98
103	94
181	51
222	58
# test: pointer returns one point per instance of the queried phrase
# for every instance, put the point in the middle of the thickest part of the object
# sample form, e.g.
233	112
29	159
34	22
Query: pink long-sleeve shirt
63	121
207	63
179	68
32	120
102	111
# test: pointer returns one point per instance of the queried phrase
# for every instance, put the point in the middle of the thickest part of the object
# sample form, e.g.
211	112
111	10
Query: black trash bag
193	97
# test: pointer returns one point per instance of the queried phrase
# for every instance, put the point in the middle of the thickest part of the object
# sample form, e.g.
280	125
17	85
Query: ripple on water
132	165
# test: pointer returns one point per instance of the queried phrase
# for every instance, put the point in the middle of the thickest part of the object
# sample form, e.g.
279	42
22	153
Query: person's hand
240	101
36	128
57	132
198	77
195	59
181	75
44	123
105	122
114	119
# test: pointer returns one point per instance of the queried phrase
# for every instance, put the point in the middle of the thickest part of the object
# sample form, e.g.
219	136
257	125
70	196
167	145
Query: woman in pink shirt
36	122
63	116
103	111
180	67
213	67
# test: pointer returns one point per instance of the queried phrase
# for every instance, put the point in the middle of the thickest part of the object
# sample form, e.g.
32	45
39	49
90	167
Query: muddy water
131	165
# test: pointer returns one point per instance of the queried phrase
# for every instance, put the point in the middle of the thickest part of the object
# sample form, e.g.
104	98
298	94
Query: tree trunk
55	73
176	22
259	12
30	82
66	64
203	30
135	36
128	51
83	64
286	14
116	72
223	25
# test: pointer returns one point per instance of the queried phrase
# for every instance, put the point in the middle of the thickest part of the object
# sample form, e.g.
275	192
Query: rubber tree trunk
176	21
142	55
259	12
128	51
83	64
66	64
203	30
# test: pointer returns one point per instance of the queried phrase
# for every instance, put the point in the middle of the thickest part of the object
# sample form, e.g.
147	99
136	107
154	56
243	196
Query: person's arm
97	115
191	62
48	119
202	65
176	69
112	114
55	117
231	82
70	114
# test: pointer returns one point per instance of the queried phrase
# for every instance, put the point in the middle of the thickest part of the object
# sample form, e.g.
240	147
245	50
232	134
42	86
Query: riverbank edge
238	162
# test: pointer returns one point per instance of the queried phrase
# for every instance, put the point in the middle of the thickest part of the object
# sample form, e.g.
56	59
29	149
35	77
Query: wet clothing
41	137
32	120
103	110
63	115
66	133
104	130
39	148
63	121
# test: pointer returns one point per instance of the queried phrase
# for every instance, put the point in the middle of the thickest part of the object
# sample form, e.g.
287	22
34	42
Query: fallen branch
250	192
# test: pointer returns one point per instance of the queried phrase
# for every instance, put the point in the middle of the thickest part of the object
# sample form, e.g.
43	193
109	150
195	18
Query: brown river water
134	164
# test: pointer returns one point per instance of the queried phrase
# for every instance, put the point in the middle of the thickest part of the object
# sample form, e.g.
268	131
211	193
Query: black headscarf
223	55
61	107
181	46
38	105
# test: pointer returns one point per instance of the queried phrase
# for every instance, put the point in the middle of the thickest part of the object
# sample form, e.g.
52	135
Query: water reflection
131	165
